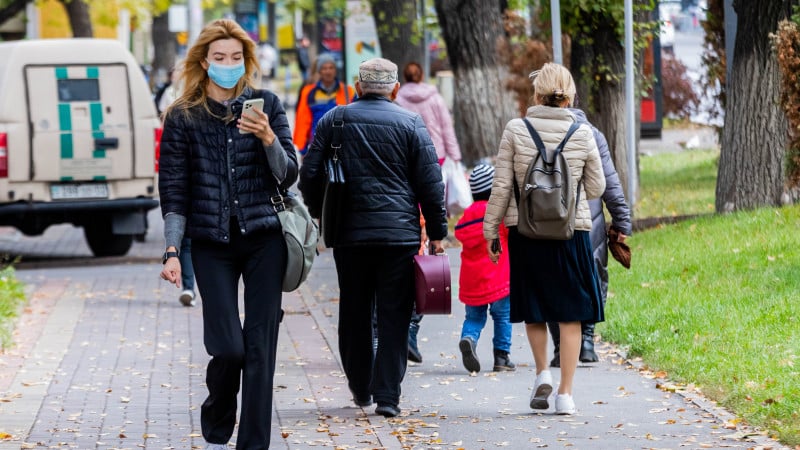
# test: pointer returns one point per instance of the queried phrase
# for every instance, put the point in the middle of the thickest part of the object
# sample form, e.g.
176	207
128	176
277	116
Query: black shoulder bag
332	199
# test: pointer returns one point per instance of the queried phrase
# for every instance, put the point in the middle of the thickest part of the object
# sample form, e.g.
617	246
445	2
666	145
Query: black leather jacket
209	172
391	172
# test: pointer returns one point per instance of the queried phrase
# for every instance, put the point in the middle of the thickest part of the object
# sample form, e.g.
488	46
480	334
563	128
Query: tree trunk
601	95
164	49
79	20
482	105
398	31
755	134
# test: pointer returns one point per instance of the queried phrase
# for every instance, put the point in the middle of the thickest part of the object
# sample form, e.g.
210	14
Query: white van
78	136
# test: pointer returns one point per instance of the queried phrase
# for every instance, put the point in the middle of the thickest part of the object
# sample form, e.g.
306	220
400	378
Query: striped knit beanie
480	179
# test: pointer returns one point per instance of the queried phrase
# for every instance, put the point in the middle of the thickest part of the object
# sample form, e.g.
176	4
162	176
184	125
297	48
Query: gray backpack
546	204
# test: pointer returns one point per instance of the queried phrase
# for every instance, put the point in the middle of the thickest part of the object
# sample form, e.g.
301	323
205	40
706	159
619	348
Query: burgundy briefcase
432	279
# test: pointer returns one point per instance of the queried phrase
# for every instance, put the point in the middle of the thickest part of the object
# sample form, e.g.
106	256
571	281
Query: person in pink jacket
425	100
482	284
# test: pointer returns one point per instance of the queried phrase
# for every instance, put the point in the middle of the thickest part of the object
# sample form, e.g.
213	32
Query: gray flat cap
377	70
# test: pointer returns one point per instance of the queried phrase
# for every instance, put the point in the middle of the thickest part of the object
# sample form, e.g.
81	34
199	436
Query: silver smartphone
250	104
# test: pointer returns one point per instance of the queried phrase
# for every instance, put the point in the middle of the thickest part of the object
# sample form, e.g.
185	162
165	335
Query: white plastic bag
456	187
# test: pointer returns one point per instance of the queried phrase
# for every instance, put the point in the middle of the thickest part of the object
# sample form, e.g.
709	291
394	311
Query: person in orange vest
318	98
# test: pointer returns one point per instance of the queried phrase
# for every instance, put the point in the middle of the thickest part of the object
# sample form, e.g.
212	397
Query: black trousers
379	278
237	350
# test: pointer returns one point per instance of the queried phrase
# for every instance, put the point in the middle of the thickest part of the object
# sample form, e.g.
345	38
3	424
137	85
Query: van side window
78	90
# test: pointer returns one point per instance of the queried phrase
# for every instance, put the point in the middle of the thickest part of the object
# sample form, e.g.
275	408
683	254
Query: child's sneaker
542	390
468	356
502	362
565	405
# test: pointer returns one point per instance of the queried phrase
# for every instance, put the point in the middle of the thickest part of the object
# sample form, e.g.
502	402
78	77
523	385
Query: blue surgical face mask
225	76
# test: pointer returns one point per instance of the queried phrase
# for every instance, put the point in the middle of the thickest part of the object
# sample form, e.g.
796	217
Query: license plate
78	191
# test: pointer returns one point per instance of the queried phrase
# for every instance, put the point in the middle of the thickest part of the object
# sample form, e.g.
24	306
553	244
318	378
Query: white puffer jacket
516	152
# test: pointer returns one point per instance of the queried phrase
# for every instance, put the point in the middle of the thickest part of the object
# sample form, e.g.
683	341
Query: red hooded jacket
480	281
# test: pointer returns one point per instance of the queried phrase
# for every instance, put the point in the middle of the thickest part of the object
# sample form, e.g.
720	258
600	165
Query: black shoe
502	363
587	351
587	344
413	351
387	410
468	356
556	335
362	401
556	361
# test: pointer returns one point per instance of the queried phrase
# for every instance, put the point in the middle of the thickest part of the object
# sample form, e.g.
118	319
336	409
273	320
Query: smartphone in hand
495	245
249	105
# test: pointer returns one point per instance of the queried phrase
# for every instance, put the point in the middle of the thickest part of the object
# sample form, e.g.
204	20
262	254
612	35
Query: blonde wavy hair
195	78
552	84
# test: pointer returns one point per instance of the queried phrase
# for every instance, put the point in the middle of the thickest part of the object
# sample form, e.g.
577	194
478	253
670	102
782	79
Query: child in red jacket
482	284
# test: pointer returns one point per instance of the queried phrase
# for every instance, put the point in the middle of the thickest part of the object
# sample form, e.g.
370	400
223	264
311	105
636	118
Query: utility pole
630	104
555	18
195	9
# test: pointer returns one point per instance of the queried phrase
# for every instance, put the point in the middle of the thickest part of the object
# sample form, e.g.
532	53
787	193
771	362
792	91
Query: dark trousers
379	279
240	350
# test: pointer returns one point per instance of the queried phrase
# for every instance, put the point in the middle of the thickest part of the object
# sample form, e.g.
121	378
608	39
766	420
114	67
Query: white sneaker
187	299
217	447
542	390
565	405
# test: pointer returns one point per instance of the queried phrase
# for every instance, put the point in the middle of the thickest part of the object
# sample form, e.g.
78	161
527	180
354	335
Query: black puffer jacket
613	198
391	171
208	171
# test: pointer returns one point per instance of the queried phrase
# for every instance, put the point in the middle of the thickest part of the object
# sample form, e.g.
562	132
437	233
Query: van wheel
103	242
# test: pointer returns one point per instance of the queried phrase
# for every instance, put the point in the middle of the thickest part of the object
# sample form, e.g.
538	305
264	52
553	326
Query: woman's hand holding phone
254	120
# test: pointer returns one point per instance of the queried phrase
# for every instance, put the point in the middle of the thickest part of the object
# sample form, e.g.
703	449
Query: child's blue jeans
475	320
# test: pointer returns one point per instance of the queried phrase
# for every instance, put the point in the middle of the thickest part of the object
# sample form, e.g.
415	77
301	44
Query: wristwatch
168	255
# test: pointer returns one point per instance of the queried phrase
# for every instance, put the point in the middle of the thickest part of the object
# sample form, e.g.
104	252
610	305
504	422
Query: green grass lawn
674	184
713	301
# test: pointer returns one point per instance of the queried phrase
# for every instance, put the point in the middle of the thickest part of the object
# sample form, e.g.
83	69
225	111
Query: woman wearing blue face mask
217	173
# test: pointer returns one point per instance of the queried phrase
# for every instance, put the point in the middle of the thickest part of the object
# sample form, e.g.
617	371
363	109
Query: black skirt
553	281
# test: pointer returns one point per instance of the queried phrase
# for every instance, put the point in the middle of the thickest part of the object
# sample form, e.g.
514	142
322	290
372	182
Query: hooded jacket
425	100
480	281
516	152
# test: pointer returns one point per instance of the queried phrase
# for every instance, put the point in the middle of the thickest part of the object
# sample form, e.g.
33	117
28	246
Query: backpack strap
537	140
540	145
543	150
572	129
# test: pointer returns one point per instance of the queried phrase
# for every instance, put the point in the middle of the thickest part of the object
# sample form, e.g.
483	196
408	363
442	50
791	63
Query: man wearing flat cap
391	172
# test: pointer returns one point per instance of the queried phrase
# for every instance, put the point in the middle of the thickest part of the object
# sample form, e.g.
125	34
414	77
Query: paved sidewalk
109	359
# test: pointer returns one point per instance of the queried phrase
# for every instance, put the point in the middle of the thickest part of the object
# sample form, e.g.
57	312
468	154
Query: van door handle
106	143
